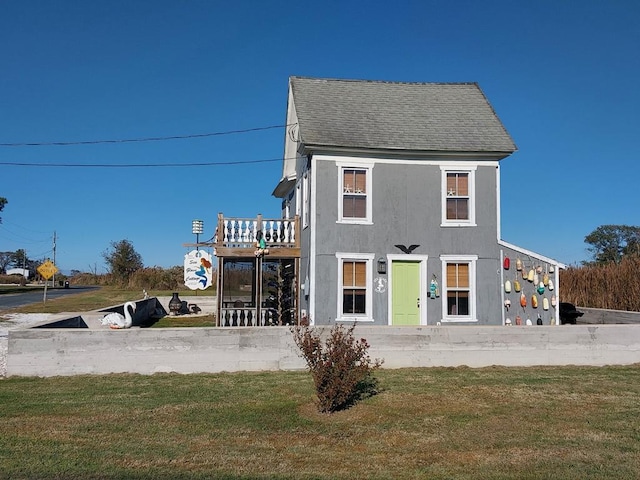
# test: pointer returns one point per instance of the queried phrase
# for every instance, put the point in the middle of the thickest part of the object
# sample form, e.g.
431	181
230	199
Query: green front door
405	293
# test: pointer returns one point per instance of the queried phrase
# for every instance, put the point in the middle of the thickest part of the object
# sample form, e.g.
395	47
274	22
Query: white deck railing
245	317
242	232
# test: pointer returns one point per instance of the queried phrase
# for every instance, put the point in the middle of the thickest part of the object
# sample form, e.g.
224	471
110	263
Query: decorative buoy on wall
545	303
518	264
507	286
523	300
516	286
506	263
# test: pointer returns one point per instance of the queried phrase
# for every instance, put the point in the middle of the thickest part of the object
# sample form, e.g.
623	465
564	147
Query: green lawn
84	301
491	423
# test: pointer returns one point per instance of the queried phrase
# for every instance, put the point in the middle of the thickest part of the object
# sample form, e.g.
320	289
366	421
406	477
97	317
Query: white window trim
298	199
471	260
305	200
356	165
368	316
471	170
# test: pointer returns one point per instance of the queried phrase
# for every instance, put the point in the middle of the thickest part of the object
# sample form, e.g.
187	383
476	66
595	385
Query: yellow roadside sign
47	269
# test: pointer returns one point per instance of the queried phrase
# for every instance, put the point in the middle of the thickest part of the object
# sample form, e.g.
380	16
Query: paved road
14	300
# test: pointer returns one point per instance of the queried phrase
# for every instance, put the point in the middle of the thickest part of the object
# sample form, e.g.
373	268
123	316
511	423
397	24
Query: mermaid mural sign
197	270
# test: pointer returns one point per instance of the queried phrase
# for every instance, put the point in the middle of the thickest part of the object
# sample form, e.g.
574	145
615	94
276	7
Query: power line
16	237
22	227
141	165
143	139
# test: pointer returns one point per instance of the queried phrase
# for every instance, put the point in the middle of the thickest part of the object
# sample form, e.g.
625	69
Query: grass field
492	423
449	423
108	296
91	300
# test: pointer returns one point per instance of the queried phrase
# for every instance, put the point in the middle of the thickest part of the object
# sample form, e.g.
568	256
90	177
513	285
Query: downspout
557	283
498	233
311	271
498	208
502	299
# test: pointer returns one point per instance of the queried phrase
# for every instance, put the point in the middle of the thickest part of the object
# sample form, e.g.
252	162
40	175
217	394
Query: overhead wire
144	139
143	165
290	127
13	236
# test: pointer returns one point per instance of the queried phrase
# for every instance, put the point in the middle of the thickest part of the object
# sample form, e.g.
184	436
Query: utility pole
54	257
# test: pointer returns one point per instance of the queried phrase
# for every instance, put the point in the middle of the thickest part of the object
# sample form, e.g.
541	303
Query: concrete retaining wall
52	352
607	317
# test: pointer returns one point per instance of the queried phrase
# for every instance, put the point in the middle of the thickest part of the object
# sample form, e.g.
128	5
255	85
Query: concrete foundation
52	352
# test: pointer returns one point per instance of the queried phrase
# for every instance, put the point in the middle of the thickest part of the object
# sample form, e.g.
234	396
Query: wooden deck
236	237
271	275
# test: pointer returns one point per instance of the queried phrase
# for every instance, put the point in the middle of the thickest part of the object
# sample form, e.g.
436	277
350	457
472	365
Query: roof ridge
386	82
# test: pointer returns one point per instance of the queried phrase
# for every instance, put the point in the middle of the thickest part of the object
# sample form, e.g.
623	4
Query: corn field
609	286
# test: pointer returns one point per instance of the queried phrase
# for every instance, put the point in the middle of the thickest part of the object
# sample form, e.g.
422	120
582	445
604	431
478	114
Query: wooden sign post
47	270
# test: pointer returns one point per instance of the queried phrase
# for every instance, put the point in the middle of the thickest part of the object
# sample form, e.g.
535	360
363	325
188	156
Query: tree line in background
612	286
145	278
126	270
611	279
3	202
18	259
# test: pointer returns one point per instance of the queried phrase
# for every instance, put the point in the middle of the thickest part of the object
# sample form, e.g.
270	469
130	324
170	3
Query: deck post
296	227
220	236
219	291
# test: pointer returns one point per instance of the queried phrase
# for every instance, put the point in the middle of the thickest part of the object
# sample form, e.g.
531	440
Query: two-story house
397	189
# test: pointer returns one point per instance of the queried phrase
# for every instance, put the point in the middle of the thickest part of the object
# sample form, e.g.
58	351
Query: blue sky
561	75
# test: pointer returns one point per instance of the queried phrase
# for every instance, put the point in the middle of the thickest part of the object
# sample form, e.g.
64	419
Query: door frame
420	259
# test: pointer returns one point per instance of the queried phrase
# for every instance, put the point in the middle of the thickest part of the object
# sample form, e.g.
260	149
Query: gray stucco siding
407	209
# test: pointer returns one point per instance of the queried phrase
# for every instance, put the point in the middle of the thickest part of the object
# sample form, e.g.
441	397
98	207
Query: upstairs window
355	195
458	197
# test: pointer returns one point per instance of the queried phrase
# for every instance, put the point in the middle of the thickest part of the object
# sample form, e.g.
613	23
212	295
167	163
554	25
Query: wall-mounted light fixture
197	227
382	266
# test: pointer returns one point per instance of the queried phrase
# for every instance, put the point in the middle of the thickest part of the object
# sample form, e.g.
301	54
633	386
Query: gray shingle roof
436	117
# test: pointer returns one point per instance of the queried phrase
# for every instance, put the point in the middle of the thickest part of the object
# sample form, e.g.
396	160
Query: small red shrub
341	367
